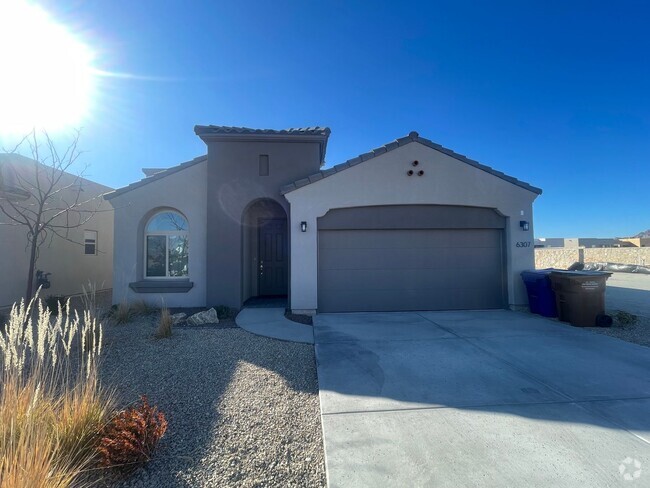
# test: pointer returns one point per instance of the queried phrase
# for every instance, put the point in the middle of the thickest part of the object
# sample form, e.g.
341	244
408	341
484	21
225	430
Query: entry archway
265	246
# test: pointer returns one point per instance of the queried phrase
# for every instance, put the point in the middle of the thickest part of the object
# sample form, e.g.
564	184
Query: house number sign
523	244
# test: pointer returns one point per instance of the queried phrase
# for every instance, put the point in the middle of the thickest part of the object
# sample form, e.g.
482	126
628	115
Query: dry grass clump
52	406
142	308
123	313
165	324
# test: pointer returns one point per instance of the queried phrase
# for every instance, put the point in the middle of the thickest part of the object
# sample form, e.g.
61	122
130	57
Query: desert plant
225	312
89	300
130	438
122	313
165	324
625	318
52	406
142	308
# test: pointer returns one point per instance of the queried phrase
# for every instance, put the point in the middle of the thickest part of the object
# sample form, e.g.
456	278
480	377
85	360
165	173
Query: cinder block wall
565	257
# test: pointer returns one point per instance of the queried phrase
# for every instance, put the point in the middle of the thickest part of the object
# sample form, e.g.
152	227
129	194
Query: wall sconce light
303	226
524	225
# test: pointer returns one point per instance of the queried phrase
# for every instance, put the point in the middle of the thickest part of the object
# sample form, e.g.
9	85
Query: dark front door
273	260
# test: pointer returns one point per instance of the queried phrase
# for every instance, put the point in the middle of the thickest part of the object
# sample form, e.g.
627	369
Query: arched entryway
265	250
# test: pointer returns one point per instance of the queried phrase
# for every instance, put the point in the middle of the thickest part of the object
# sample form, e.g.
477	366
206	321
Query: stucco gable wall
383	181
184	191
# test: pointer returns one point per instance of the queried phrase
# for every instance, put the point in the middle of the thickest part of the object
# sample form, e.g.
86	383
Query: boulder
206	317
178	318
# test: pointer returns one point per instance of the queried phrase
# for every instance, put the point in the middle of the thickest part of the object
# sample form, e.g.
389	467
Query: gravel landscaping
639	333
243	410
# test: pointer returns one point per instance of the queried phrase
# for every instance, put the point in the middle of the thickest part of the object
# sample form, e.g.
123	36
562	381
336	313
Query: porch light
524	225
303	226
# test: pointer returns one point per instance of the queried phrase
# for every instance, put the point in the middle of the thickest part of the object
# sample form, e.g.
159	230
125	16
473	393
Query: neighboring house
637	241
86	256
575	242
407	226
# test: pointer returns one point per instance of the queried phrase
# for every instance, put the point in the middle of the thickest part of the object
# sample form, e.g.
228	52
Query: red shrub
130	438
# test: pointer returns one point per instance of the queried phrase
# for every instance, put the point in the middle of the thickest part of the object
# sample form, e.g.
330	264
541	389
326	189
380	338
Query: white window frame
96	242
167	234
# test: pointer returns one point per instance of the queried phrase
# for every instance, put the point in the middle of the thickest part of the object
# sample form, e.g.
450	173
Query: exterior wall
383	181
65	259
563	258
233	182
623	255
184	191
560	258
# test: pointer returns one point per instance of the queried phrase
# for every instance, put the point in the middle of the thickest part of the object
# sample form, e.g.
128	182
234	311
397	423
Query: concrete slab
629	292
508	400
584	366
559	445
271	322
383	375
396	326
496	323
632	415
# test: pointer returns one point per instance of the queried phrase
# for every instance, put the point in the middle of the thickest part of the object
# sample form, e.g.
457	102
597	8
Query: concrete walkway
491	399
271	322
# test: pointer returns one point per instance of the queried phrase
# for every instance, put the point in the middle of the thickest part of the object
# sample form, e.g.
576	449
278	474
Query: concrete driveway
488	398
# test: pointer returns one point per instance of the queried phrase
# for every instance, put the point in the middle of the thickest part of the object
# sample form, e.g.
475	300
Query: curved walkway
271	322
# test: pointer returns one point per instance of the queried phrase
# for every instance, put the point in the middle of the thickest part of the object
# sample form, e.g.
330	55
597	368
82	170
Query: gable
413	137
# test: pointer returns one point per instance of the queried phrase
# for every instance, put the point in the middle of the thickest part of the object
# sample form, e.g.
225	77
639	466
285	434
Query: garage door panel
382	270
383	279
418	239
400	258
409	299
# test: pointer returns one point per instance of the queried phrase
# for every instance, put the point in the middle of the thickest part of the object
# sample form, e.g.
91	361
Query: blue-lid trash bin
541	297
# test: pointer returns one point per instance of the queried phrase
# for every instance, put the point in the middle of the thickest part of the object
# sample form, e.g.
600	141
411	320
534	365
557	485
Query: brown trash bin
580	296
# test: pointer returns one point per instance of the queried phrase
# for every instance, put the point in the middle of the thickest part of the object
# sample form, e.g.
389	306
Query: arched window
166	252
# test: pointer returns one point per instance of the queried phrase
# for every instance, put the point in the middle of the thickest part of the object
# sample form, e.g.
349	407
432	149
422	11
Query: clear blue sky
555	93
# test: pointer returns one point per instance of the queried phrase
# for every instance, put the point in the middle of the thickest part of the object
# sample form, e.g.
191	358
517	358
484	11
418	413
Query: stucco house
410	225
81	255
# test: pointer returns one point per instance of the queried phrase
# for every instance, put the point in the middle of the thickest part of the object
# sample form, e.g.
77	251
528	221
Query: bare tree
44	198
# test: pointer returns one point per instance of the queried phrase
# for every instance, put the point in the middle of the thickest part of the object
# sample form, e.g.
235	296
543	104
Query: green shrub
625	318
225	312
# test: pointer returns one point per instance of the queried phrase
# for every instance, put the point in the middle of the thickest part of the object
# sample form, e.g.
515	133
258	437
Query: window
90	242
166	249
264	164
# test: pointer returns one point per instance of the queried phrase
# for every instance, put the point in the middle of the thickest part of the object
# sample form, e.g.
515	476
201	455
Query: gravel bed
243	410
638	333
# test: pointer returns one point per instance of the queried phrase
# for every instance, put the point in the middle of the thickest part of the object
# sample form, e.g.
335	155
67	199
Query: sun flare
47	78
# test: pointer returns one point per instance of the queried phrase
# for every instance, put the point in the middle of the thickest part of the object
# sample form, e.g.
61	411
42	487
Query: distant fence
563	257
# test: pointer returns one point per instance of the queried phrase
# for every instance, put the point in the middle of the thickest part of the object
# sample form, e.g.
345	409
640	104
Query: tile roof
225	130
155	176
402	141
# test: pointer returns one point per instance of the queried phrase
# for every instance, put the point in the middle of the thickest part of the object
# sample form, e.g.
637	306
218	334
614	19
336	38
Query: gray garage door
386	269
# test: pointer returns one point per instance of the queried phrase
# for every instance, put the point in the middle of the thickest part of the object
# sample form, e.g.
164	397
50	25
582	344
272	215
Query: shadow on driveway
493	398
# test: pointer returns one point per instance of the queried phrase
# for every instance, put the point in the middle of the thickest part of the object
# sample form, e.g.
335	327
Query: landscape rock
206	317
178	317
